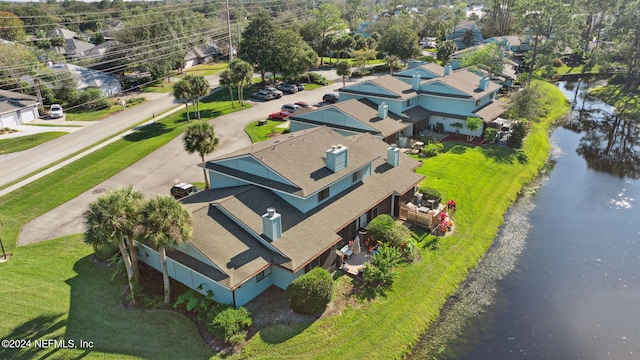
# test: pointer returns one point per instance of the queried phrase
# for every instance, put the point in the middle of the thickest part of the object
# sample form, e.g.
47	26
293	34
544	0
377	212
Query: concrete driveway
158	171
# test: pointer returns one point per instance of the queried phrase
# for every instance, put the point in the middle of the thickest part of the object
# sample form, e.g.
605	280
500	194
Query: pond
562	279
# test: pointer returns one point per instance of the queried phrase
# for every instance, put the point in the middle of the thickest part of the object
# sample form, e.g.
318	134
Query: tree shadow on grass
148	131
40	327
500	154
456	148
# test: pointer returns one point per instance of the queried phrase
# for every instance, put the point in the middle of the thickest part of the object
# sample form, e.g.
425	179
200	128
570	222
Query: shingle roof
300	158
399	88
304	235
12	101
491	111
364	111
466	82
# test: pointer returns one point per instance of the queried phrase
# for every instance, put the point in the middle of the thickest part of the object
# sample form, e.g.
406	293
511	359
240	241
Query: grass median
484	181
21	143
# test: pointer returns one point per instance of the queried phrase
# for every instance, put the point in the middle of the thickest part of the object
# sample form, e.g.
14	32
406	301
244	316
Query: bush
557	63
432	149
93	99
617	79
134	101
311	292
430	193
316	78
229	324
518	133
439	127
105	251
490	134
380	227
379	272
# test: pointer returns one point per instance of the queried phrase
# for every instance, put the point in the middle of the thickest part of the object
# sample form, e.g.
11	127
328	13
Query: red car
280	115
305	104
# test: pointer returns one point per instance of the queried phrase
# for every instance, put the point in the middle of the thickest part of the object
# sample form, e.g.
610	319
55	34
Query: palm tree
226	79
393	62
343	68
181	91
165	222
111	218
201	137
243	75
199	87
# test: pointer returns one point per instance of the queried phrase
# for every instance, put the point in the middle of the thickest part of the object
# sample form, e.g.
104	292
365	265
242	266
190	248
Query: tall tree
627	29
328	19
11	27
400	41
226	79
472	124
200	137
490	58
551	27
165	222
343	69
445	50
242	76
111	218
393	62
258	42
198	87
181	91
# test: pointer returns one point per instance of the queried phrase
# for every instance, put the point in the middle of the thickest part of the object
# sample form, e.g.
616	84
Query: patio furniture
346	251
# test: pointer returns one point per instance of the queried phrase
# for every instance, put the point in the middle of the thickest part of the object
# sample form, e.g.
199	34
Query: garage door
8	120
27	115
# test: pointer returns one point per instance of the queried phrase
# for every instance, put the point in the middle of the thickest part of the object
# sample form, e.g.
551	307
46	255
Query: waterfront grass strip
484	182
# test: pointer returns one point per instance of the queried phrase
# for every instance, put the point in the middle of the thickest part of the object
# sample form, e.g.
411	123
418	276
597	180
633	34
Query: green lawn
53	290
259	132
163	87
82	115
469	175
27	142
34	199
625	101
206	69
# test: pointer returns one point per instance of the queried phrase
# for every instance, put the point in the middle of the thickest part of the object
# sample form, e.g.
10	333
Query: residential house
512	43
89	78
201	54
278	208
447	99
75	47
17	108
509	71
353	117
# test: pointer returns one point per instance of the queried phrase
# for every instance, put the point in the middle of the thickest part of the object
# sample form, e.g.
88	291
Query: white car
55	112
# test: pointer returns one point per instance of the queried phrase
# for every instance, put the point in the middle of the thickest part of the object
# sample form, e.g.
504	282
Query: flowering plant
451	204
443	216
444	226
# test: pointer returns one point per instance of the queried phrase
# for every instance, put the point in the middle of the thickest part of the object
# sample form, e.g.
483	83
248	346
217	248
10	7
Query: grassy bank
265	131
484	182
34	199
71	298
625	101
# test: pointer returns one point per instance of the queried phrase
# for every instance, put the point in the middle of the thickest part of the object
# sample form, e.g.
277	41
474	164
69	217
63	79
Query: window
375	211
266	272
477	103
408	102
357	176
323	194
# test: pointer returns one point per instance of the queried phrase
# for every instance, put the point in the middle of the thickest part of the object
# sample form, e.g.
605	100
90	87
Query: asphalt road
170	164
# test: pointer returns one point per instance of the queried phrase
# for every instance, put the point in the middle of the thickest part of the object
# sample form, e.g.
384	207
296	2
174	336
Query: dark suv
178	191
330	98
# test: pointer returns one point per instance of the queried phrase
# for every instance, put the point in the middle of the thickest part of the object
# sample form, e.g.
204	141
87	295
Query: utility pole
229	29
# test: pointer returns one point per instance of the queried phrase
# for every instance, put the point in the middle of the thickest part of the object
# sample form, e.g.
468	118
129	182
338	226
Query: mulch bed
477	141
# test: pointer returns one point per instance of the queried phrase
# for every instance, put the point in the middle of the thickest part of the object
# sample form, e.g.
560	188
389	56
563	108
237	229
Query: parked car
262	95
297	84
305	104
178	191
287	88
330	98
55	112
280	115
277	94
290	108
